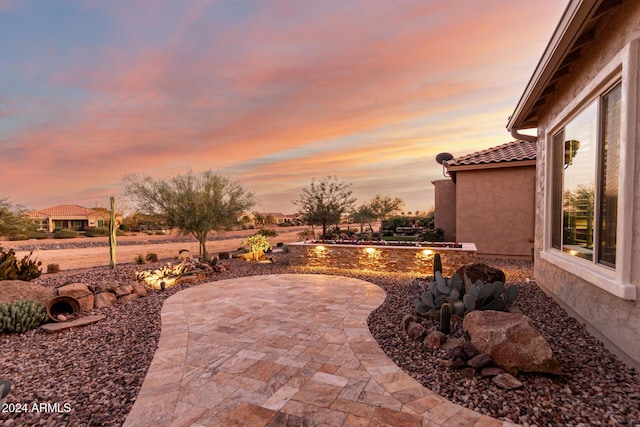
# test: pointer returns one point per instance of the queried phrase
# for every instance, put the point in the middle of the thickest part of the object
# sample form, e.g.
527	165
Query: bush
224	255
97	231
120	233
266	232
151	257
306	234
39	234
244	226
15	237
65	233
11	269
53	268
258	242
279	244
432	235
139	259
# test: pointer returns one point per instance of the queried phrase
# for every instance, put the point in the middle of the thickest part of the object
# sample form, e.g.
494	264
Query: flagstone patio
282	350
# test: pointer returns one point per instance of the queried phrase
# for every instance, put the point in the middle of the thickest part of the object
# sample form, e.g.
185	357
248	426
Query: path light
427	252
320	248
370	250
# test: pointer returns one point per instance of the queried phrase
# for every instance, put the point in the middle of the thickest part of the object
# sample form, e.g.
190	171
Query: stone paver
282	350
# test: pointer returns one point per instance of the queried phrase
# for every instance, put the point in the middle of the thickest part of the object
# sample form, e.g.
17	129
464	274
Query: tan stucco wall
613	320
445	208
495	210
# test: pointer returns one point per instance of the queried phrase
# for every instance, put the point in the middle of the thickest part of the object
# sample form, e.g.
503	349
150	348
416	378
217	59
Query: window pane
556	203
609	165
579	183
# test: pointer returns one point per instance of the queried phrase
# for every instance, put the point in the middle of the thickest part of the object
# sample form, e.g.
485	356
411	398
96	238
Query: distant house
68	216
584	100
489	199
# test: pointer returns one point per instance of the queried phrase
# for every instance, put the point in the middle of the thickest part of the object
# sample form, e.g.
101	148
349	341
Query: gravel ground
97	370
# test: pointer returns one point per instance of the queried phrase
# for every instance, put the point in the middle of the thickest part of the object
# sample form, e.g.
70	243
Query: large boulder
75	290
16	290
511	340
482	272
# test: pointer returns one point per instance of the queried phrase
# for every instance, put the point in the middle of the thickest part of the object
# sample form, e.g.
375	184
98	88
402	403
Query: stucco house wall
445	213
602	298
495	210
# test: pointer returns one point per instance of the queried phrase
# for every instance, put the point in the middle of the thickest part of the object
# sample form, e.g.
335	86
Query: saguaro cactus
112	235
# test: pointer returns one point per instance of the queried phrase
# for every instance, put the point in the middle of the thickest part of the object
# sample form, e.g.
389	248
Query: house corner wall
496	210
613	320
445	208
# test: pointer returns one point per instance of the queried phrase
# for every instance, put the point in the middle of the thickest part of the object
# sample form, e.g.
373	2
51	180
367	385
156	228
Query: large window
585	181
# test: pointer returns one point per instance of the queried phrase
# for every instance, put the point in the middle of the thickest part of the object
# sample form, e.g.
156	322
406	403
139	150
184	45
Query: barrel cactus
445	318
20	316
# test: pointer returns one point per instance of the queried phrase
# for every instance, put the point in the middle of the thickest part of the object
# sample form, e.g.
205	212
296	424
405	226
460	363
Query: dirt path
74	258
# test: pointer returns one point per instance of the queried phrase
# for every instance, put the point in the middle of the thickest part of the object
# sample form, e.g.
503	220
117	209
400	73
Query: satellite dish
443	157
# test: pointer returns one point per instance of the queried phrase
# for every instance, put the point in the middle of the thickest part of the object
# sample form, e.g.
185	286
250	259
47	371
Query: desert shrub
53	268
11	269
256	243
306	234
267	232
18	236
120	233
139	259
432	235
244	226
151	257
38	234
97	231
224	255
20	316
65	233
279	244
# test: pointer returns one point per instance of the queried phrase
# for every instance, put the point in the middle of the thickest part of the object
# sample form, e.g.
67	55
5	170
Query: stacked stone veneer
102	295
381	258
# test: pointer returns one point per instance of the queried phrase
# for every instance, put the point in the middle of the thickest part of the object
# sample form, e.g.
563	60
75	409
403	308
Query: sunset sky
270	93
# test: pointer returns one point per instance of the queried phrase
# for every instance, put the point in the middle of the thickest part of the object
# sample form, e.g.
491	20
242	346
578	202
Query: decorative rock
80	321
479	361
75	290
435	339
506	381
123	290
86	303
458	364
188	279
127	298
480	271
469	350
103	287
104	299
457	353
512	341
139	289
415	330
491	372
468	372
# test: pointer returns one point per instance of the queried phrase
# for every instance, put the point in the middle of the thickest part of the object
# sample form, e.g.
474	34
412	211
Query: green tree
13	220
324	201
363	214
383	206
195	203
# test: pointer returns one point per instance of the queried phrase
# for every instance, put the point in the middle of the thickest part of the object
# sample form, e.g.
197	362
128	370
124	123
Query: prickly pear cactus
11	269
20	316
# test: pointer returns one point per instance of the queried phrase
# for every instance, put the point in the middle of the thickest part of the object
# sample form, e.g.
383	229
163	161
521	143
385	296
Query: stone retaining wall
103	295
381	258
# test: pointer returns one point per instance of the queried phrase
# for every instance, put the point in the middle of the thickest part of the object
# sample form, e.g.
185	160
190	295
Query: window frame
622	68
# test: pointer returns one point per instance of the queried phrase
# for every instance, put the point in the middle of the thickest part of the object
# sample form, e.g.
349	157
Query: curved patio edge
285	349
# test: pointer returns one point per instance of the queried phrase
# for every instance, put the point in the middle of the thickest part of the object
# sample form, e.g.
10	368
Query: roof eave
494	165
573	21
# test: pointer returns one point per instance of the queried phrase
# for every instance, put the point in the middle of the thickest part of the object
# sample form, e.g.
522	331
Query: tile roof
510	152
62	211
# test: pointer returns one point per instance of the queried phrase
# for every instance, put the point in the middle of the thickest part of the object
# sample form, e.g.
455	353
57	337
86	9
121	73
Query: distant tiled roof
510	152
62	211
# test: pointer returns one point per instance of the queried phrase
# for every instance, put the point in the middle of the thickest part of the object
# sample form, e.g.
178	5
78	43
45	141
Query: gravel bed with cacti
90	376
